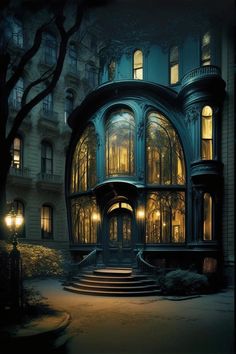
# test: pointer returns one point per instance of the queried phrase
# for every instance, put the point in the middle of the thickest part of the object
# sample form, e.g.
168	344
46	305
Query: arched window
111	70
206	49
17	153
69	104
48	104
85	218
17	32
138	65
47	222
165	217
164	154
207	212
50	49
72	57
84	162
207	133
120	134
174	65
20	209
46	158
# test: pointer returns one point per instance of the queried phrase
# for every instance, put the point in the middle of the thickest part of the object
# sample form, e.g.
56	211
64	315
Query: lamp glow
141	213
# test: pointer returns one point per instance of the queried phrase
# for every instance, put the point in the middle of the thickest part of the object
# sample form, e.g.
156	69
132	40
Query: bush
39	261
183	282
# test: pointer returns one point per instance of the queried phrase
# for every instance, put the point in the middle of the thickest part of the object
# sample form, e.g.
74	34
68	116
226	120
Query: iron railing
144	266
88	261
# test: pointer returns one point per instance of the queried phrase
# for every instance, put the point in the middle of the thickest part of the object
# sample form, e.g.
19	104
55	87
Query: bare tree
58	17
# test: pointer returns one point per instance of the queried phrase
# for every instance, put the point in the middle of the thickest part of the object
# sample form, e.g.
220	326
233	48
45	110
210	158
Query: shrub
183	282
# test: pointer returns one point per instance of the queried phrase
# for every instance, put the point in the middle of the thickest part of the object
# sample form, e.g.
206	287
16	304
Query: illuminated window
174	65
207	133
17	33
17	153
120	205
49	49
69	104
207	222
138	65
205	49
165	217
46	158
84	162
47	222
72	52
20	209
48	104
84	223
111	70
164	155
120	129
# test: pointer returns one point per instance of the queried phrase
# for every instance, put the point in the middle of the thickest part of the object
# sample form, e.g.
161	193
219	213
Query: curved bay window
120	135
165	160
207	133
165	217
85	218
84	162
207	212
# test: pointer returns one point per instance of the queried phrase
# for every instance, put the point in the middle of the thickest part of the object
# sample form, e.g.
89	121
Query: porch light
14	221
141	213
96	217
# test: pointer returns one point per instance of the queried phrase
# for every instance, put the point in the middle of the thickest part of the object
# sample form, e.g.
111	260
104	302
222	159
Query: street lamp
13	222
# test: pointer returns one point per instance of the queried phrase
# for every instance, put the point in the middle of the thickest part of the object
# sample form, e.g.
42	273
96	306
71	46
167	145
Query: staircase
113	282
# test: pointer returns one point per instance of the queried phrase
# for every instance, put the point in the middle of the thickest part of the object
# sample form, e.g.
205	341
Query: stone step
115	283
111	278
115	293
129	287
117	272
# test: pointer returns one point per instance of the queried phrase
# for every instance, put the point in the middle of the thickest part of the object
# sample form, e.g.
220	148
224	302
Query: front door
119	250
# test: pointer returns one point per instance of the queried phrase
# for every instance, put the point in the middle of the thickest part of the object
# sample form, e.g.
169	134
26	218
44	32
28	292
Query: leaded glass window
207	133
84	162
164	154
138	65
120	135
165	217
84	224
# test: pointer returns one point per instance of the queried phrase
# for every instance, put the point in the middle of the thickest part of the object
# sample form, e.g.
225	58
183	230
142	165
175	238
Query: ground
144	325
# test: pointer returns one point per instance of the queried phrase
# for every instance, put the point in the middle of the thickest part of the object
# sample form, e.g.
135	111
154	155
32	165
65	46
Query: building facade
150	163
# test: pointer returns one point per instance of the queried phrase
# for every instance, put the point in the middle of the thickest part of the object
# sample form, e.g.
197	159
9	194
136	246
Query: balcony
48	119
49	182
209	171
208	71
19	177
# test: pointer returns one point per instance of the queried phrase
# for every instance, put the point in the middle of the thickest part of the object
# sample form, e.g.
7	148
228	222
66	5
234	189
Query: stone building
150	164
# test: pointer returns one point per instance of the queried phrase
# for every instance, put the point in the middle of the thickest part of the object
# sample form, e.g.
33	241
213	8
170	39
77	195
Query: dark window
48	104
47	222
17	33
111	70
205	49
72	57
46	158
69	104
50	49
16	94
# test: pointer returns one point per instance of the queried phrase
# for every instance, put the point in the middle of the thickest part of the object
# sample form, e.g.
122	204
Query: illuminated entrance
118	231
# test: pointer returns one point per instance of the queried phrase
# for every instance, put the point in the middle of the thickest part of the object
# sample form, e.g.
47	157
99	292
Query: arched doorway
118	235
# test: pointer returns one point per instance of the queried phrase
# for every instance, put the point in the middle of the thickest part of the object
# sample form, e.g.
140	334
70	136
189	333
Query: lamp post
13	222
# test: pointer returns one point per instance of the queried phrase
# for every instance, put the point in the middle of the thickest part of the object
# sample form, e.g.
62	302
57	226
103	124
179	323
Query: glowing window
174	65
207	222
164	154
84	225
207	133
120	130
120	205
165	217
17	153
20	209
138	65
47	222
84	162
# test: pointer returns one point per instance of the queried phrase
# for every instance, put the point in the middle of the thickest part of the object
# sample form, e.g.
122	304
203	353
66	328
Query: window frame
21	153
141	67
44	159
45	235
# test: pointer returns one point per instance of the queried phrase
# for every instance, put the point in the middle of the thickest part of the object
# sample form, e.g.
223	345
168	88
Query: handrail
88	260
144	265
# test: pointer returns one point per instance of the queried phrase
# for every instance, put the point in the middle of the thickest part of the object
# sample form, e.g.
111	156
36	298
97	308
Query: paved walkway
144	325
